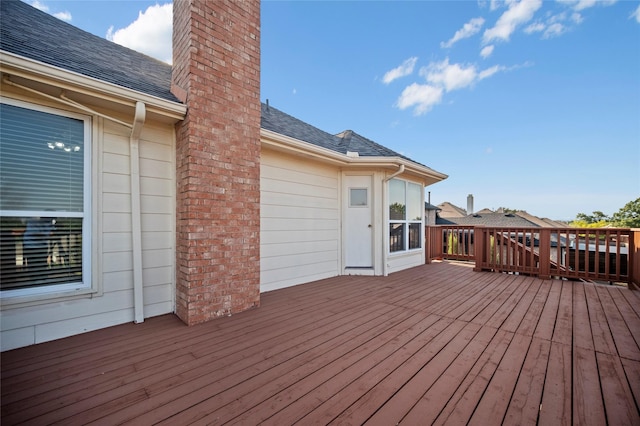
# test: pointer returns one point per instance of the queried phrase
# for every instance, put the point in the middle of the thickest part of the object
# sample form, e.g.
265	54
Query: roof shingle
30	33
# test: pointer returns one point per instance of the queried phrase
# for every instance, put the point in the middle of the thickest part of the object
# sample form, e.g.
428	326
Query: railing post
633	259
479	238
544	260
427	244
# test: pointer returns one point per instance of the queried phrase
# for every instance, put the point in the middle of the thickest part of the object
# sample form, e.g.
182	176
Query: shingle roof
28	32
347	141
489	219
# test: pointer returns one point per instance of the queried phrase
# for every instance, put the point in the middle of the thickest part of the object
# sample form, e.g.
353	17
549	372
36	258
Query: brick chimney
216	72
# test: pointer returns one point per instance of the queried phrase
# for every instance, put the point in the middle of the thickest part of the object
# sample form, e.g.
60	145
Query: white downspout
136	231
399	172
385	218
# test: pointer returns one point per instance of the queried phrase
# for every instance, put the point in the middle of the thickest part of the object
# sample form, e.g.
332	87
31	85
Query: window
358	197
405	216
44	201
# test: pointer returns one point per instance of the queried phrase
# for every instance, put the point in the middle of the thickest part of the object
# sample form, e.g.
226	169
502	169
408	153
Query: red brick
217	158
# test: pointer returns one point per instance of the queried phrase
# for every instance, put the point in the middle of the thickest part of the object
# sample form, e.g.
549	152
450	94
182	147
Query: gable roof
451	210
28	32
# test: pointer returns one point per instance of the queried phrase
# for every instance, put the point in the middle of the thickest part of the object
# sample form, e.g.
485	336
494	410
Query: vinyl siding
46	320
299	221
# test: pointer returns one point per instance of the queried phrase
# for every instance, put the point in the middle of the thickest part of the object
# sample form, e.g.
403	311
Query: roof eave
41	72
294	146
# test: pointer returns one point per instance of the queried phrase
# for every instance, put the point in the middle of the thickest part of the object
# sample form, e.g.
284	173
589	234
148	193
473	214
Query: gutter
60	78
291	145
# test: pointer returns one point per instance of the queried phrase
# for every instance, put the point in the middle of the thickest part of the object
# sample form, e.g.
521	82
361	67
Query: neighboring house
430	214
131	188
448	209
506	220
542	222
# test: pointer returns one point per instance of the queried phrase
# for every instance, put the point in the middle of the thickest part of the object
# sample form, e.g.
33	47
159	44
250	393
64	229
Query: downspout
385	218
136	231
134	139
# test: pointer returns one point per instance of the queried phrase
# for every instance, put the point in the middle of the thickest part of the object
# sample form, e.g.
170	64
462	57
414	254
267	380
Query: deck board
437	344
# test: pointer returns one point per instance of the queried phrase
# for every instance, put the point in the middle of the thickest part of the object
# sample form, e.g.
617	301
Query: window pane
42	177
37	251
415	210
415	235
358	197
41	161
397	207
396	237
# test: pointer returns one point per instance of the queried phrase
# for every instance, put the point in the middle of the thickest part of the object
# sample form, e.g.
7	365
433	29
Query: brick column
216	71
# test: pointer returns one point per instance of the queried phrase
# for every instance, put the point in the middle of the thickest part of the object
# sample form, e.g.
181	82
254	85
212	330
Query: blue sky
528	104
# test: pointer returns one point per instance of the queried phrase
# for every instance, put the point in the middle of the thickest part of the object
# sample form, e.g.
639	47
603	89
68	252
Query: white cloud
487	51
576	18
536	27
421	97
64	16
555	25
586	4
469	29
554	30
495	4
40	6
636	14
518	13
406	68
150	33
449	76
443	77
490	71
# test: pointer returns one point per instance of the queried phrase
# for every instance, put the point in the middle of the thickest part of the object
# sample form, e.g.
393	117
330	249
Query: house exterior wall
398	262
30	320
302	220
299	221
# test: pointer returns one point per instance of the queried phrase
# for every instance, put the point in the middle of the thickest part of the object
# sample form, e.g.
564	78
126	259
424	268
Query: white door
358	225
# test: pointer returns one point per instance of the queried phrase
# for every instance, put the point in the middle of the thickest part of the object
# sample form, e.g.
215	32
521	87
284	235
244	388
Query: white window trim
87	285
407	222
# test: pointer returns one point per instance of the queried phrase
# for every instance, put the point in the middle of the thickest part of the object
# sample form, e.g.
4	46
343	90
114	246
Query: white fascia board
20	66
297	147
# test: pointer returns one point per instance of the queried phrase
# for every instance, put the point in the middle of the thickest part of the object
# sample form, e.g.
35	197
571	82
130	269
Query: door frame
374	201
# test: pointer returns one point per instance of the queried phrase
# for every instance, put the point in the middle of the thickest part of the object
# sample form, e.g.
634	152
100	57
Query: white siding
42	321
404	261
299	221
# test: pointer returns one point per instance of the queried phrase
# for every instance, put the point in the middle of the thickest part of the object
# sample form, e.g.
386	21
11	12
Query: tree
628	216
596	217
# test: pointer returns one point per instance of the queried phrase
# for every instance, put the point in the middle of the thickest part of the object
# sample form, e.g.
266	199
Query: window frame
87	284
406	222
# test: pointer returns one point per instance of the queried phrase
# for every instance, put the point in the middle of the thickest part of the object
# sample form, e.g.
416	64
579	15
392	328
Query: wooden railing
600	254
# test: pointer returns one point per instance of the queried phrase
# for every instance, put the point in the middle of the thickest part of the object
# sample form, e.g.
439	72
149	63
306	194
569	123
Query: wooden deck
435	344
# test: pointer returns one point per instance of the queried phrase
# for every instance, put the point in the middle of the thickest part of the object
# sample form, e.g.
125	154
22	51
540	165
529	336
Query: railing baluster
514	250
